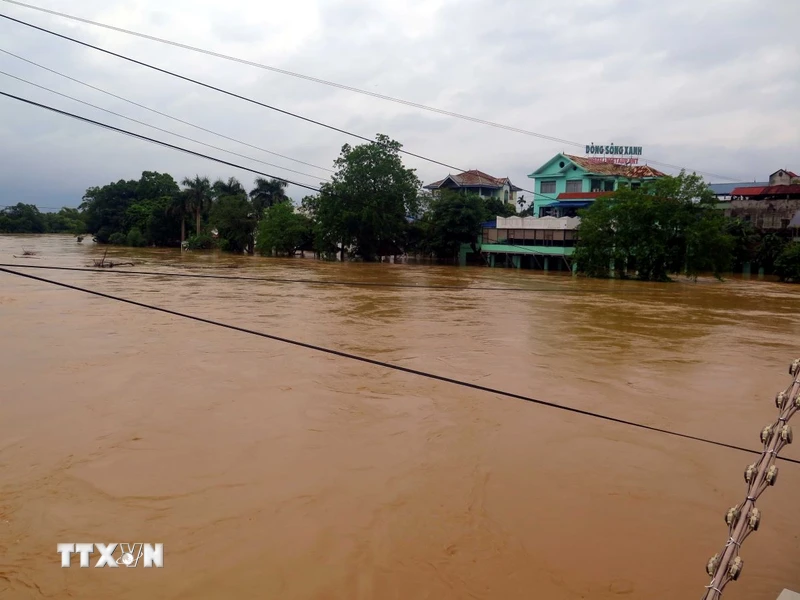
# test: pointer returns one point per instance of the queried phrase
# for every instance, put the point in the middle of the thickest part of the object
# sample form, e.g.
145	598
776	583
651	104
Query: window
575	185
505	196
636	185
597	185
548	187
608	185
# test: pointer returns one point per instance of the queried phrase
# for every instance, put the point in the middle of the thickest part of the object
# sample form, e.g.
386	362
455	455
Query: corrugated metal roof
725	189
767	190
601	168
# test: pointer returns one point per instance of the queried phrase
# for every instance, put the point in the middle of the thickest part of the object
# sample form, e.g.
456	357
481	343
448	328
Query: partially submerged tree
668	226
366	203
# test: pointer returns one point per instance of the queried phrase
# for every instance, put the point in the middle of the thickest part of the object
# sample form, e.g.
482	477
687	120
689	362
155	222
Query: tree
22	218
521	203
495	207
787	265
769	248
366	203
668	226
105	208
282	230
232	187
266	194
454	219
233	217
198	196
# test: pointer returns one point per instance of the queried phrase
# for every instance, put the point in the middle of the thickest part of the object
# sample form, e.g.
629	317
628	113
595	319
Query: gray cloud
711	86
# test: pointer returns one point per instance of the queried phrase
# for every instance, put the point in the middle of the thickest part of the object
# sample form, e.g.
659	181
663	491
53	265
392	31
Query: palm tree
198	196
521	202
267	193
179	206
232	187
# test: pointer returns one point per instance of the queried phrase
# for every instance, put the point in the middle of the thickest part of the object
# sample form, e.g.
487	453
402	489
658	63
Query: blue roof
489	224
725	189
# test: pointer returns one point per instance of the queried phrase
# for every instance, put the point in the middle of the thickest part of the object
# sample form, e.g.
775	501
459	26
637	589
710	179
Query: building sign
618	155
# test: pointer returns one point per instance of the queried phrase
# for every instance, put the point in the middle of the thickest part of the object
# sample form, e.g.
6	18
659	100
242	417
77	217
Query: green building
567	183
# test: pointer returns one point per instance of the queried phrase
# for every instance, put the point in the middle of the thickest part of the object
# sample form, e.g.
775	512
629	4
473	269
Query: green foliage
454	219
495	207
204	241
125	205
769	248
266	194
745	241
118	238
282	230
366	202
22	218
668	226
135	238
787	265
235	223
198	197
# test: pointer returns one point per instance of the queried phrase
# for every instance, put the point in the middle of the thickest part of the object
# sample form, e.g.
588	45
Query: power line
155	141
221	90
387	365
337	85
156	128
152	110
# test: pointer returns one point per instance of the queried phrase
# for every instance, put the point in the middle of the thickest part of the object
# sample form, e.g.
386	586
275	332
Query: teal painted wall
560	169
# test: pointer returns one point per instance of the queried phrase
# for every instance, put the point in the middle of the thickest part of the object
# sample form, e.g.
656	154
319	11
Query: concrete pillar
516	260
546	263
491	260
746	269
574	268
462	257
761	271
611	269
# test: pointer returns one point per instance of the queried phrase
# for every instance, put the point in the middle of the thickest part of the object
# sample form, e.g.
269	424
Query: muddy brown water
273	471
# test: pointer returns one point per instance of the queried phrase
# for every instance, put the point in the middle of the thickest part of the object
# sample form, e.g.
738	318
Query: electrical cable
387	365
155	141
157	112
222	91
167	131
334	84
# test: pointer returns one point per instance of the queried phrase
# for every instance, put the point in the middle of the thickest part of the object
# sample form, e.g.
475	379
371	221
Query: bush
135	238
787	265
204	241
118	239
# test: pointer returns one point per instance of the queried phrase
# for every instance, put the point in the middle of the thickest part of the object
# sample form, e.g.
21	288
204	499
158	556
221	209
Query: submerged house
567	183
477	182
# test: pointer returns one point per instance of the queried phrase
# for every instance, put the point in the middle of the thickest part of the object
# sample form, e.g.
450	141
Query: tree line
373	207
672	226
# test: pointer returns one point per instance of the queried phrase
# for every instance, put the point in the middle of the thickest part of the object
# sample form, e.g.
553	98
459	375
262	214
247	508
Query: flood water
273	471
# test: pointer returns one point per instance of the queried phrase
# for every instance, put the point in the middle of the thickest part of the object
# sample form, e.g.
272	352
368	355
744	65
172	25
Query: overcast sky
712	85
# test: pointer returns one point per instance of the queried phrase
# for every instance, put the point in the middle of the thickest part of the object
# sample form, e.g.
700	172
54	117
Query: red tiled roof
601	168
582	195
474	178
767	190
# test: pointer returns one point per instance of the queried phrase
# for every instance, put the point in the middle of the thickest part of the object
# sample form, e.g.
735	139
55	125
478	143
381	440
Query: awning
568	204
